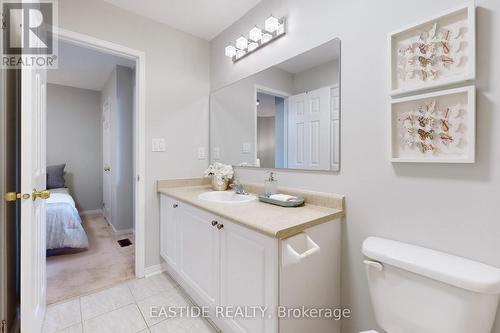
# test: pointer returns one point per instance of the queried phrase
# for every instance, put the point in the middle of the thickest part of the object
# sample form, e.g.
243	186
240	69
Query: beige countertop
271	220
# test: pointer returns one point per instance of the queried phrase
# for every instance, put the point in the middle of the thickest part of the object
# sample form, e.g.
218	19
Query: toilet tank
418	290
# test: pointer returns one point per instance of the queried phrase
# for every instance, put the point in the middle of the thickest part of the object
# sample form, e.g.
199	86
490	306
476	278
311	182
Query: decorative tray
264	197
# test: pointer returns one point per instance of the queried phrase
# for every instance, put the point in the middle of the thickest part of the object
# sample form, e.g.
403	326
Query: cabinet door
168	230
198	254
248	276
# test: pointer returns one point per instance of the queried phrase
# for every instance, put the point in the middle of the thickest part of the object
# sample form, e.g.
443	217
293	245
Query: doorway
33	298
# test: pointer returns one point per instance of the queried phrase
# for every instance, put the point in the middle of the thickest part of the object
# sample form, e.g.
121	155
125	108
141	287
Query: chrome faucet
238	187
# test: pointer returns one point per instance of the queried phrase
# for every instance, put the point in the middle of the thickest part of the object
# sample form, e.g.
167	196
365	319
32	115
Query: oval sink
226	197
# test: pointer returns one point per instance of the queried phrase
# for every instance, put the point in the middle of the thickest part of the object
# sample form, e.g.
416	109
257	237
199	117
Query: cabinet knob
214	223
175	205
220	226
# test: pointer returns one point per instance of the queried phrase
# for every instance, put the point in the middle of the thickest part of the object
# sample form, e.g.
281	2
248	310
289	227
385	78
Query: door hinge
4	326
4	22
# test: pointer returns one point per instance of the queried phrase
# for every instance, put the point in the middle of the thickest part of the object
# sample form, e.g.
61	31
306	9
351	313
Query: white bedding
64	226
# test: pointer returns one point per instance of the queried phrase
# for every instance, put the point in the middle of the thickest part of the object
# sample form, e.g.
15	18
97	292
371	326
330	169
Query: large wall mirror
285	117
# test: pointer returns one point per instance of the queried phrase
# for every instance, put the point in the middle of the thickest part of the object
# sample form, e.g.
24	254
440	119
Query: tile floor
124	308
76	274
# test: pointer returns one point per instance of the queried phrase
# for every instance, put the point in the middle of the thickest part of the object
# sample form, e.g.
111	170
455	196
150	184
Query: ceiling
201	18
84	68
317	56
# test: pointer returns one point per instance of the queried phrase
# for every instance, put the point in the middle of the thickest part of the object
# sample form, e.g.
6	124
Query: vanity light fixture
252	46
271	24
230	51
257	37
266	38
240	54
255	34
242	43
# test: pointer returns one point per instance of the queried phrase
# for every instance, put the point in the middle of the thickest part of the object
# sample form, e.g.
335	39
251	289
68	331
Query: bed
64	226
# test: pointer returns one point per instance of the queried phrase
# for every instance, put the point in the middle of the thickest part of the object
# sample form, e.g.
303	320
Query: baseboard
121	231
91	212
155	269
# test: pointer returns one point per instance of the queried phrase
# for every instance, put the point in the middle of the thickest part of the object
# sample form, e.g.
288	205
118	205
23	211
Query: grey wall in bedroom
74	138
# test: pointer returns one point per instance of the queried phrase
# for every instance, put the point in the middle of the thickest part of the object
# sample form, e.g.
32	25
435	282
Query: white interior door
106	160
309	130
33	180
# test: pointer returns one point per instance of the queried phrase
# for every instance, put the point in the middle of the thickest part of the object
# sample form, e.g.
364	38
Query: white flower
218	169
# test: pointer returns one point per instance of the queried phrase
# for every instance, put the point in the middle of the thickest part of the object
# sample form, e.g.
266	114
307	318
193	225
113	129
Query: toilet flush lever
375	264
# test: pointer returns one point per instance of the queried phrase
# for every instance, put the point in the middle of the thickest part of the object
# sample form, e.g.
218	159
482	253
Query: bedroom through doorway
90	172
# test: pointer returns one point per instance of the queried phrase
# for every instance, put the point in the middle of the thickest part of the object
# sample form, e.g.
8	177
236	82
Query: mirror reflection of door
270	131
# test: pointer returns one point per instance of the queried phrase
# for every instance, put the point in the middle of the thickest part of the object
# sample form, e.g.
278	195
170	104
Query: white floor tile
183	325
124	320
62	315
73	329
165	299
106	301
147	287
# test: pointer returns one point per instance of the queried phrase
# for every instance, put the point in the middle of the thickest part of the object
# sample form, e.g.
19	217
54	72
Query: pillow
55	176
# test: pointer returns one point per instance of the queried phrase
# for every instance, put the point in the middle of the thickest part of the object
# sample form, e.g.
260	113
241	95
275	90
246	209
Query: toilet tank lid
457	271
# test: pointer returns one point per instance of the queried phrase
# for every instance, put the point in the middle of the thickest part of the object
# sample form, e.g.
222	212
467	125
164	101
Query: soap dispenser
271	185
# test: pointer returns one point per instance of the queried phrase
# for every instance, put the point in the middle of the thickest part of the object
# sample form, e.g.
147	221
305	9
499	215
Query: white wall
445	207
317	77
177	87
74	138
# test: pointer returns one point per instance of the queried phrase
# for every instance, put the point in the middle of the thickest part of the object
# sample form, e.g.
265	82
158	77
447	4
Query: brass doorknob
40	194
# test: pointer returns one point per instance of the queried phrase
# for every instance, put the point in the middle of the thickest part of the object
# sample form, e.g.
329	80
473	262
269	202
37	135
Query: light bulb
240	53
272	24
252	46
281	29
242	43
266	38
255	34
230	51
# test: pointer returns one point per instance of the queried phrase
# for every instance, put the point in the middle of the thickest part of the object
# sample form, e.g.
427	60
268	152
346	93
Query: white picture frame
411	71
454	107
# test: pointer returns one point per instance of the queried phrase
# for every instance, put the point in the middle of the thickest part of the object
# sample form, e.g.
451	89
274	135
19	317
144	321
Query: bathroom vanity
253	256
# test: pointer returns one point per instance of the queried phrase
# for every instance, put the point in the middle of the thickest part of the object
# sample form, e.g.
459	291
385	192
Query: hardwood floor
103	265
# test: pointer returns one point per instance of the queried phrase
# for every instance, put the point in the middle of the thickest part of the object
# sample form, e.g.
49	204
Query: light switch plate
202	155
158	145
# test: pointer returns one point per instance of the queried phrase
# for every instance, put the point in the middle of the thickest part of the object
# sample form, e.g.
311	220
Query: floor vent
124	242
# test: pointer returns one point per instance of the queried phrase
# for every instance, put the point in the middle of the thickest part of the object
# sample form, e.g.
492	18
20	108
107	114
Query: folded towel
283	197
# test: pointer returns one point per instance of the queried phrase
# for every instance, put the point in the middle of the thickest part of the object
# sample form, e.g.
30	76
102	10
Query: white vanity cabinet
220	263
249	264
227	266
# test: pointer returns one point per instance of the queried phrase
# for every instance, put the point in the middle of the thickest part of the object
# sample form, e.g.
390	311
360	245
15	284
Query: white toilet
417	290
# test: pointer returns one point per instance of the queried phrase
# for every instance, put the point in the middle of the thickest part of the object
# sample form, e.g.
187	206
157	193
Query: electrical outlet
201	153
216	153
